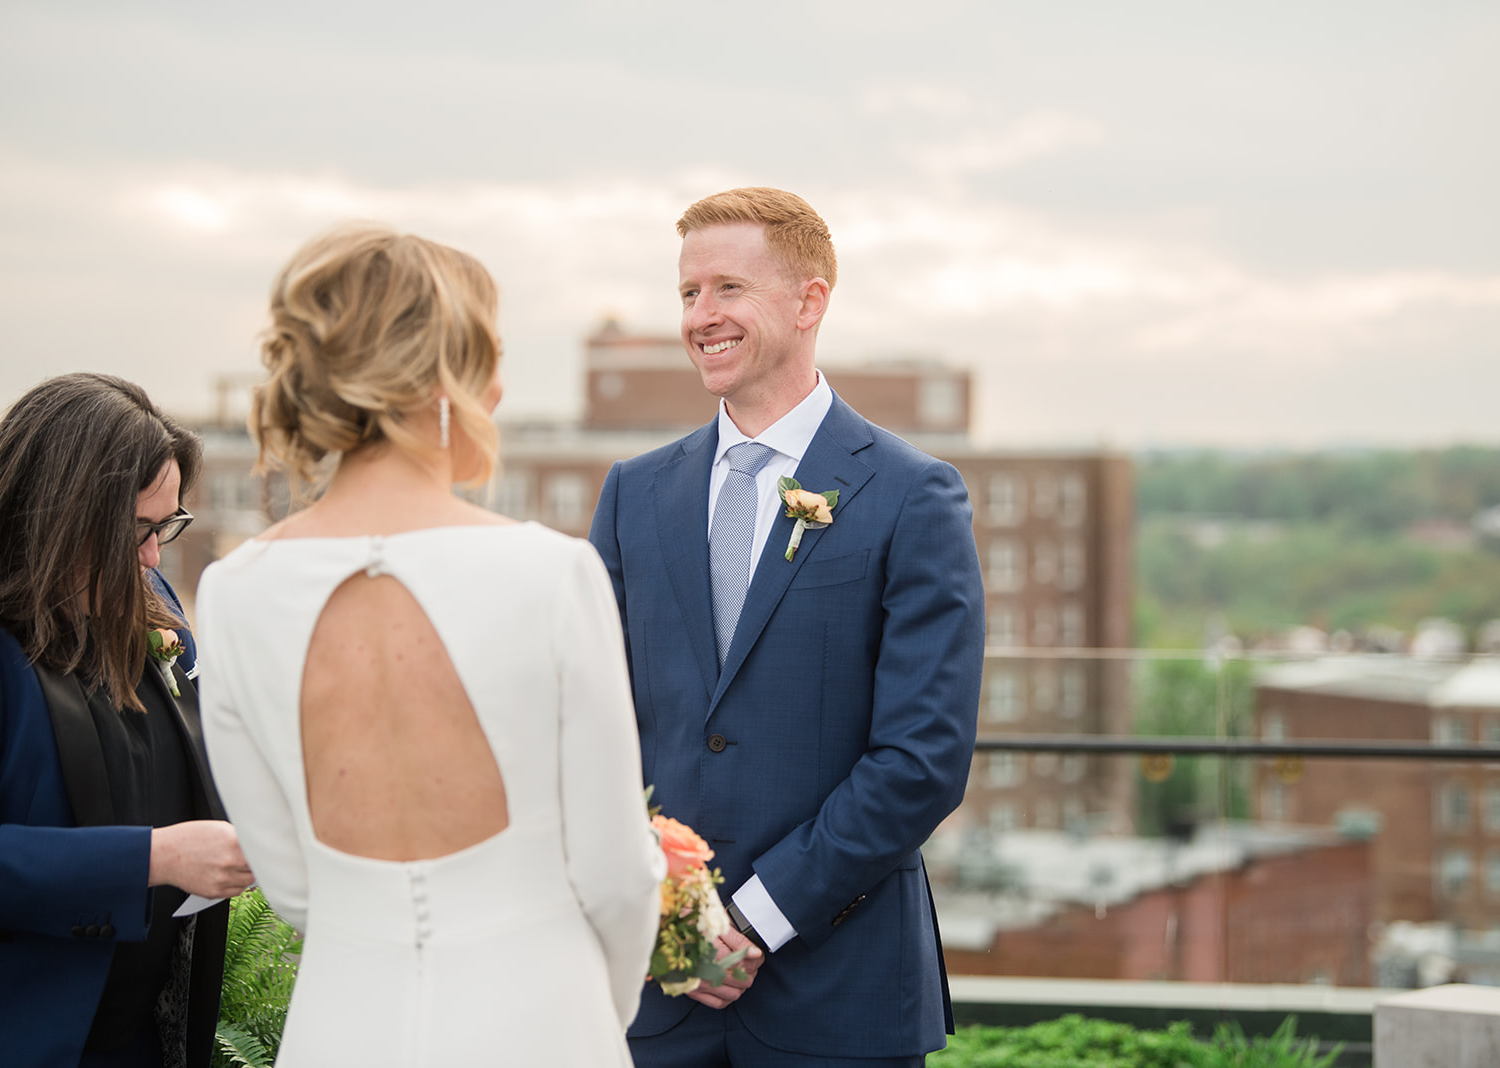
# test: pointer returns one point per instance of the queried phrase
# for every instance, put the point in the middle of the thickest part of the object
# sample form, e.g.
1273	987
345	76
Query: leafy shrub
1076	1042
260	968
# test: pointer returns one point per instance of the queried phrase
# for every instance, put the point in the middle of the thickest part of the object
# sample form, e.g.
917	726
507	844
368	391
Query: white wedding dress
528	948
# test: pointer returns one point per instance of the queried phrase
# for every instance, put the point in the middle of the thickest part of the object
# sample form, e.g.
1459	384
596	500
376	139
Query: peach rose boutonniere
811	510
165	647
692	916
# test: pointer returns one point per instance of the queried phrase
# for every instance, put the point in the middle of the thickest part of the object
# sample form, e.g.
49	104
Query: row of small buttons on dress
418	877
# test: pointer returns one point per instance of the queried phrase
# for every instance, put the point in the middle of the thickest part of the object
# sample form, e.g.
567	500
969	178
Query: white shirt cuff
753	900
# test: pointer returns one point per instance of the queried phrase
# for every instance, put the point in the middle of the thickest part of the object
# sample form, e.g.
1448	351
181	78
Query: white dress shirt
790	436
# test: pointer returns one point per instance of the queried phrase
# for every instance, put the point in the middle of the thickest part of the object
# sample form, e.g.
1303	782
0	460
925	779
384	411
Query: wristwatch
744	926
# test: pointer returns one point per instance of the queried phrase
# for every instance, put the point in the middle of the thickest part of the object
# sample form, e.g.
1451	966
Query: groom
813	717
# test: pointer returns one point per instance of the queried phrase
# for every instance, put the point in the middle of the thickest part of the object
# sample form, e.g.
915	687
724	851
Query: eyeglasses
165	531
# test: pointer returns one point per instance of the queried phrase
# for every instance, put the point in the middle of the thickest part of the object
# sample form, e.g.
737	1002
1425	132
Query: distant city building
1434	825
1235	903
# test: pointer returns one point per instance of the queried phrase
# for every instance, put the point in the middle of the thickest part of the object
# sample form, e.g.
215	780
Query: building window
1447	730
1454	872
1070	577
1004	770
1072	626
1492	809
1453	807
226	492
1492	875
513	494
1273	727
1044	496
940	403
1007	565
1002	816
1074	500
1075	814
1044	561
609	386
1044	688
567	499
1492	732
1074	767
1002	623
1273	803
1007	504
1043	624
1003	703
1074	691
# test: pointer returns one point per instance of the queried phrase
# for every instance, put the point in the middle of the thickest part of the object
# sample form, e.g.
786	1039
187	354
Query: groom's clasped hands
724	995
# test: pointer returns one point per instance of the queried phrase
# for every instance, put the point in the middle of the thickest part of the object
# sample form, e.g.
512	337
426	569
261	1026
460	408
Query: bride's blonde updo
367	325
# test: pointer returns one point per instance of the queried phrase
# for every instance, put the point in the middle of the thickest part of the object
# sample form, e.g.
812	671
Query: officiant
108	818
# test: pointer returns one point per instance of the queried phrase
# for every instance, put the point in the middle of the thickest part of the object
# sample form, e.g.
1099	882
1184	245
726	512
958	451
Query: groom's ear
814	302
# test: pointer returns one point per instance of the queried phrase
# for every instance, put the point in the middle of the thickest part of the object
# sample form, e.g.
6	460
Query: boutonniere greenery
165	648
810	510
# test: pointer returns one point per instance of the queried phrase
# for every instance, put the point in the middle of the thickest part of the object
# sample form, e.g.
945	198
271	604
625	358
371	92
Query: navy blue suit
838	734
71	884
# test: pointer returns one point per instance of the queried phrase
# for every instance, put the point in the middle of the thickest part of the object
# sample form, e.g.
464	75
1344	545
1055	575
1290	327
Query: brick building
1435	825
1236	903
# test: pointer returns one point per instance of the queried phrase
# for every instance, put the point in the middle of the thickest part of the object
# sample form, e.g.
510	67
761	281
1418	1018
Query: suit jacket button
107	931
716	743
91	931
77	931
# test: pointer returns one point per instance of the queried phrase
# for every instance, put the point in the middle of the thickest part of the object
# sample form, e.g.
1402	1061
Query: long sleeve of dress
245	777
613	862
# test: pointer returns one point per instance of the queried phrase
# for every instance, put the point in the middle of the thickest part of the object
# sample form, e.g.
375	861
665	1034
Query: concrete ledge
1452	1026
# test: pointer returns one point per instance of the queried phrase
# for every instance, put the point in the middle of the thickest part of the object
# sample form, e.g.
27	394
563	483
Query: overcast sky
1139	223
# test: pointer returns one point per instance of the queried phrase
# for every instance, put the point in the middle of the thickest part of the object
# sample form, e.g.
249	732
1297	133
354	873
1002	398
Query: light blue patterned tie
730	538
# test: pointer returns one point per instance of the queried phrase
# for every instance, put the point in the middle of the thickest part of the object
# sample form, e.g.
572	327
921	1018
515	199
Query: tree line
1377	490
1319	539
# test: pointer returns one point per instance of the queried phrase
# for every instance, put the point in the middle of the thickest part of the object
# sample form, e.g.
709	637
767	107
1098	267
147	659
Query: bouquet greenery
693	919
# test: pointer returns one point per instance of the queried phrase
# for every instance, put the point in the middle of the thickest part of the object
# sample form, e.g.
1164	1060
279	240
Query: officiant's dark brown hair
76	452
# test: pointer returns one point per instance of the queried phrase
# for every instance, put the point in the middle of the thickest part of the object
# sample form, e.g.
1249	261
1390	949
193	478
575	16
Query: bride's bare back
397	765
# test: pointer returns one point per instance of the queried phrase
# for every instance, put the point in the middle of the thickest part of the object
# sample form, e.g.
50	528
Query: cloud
981	151
171	264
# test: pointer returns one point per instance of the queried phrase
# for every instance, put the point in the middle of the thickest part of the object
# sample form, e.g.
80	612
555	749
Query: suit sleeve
251	792
605	540
54	876
613	861
923	717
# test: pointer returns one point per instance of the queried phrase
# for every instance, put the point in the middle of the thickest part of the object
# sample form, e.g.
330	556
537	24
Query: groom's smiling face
740	315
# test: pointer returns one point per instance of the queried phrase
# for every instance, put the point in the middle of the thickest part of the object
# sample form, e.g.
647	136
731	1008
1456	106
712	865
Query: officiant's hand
720	997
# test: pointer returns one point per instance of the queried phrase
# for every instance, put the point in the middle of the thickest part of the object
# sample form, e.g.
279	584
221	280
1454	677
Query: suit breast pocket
834	571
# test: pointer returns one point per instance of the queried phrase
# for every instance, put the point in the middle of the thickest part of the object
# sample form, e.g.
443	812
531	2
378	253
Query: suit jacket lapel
190	726
681	499
79	752
829	463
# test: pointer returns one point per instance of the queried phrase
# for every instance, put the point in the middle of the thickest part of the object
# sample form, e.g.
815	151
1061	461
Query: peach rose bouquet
692	916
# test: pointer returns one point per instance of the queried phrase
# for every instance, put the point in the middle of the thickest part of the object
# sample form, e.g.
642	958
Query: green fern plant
1280	1050
260	968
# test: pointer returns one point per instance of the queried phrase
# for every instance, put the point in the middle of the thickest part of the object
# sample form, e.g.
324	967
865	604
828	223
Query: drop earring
443	417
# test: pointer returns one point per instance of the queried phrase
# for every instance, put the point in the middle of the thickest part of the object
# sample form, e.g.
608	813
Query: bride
417	711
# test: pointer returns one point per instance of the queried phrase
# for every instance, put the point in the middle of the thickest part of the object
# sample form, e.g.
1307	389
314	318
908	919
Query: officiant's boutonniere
810	510
165	648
